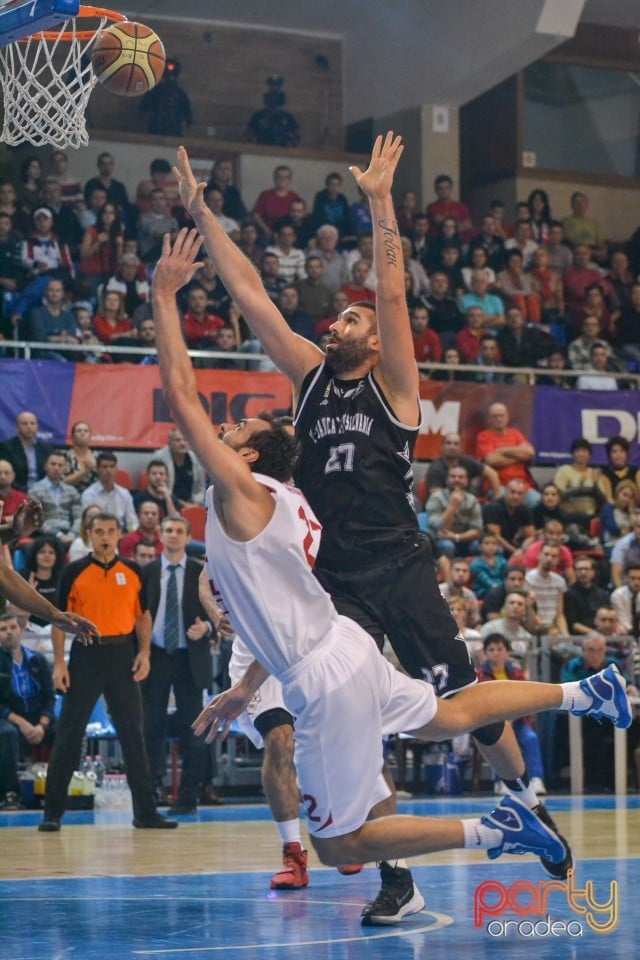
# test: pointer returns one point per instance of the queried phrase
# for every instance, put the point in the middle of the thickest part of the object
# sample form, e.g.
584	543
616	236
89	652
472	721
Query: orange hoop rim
85	12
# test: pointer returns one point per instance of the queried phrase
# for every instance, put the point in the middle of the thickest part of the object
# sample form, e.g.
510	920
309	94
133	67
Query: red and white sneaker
294	875
349	869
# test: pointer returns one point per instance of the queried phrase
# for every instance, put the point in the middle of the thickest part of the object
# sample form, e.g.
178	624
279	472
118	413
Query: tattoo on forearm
391	239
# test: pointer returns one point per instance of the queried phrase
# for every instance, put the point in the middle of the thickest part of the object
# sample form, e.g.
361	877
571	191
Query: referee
109	591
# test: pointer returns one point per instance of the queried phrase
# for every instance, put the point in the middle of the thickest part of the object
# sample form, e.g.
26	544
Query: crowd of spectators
76	262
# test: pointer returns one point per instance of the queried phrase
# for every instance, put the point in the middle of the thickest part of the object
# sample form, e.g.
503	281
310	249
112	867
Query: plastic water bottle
99	770
87	765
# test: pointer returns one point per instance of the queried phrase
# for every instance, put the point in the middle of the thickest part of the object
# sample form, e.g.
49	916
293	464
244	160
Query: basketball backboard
21	18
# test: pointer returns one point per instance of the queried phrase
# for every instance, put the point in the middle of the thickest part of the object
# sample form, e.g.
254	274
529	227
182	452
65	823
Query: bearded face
345	354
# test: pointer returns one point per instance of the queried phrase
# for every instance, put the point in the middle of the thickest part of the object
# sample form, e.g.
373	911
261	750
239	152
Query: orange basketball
128	58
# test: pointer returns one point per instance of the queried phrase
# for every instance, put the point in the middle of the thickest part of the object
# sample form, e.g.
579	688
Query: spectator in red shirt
111	322
426	342
468	339
577	279
444	206
9	497
553	532
200	327
275	203
148	529
507	450
358	289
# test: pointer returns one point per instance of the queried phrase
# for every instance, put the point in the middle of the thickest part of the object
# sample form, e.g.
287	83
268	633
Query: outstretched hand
83	629
220	712
28	517
191	192
178	263
377	179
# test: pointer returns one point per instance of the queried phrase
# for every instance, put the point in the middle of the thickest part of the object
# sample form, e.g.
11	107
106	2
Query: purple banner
559	416
43	387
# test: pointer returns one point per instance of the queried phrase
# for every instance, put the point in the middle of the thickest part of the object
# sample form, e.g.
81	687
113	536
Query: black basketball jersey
355	468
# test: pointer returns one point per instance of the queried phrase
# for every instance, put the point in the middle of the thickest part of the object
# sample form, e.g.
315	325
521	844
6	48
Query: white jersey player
260	542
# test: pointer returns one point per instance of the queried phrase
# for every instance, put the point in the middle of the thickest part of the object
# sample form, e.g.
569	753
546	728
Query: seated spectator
491	242
27	700
489	569
597	739
87	210
553	533
102	246
298	218
221	177
470	635
443	206
199	325
560	256
426	343
339	302
60	501
489	356
584	597
157	491
406	212
359	288
550	589
334	263
594	377
153	225
161	177
582	230
362	251
507	450
467	341
144	552
497	211
595	305
555	363
111	322
270	275
456	587
43	255
479	474
444	316
11	271
85	334
115	189
20	216
299	322
30	182
331	206
214	199
617	518
625	600
626	552
275	203
65	223
478	261
81	546
248	242
522	240
26	454
109	495
144	335
455	517
290	258
44	562
52	322
147	531
10	497
547	284
508	517
207	279
578	483
539	215
522	345
514	582
620	281
361	223
549	508
522	215
580	348
449	264
492	306
186	475
511	626
131	282
421	240
452	359
226	341
419	278
626	328
498	666
577	279
518	288
314	296
618	467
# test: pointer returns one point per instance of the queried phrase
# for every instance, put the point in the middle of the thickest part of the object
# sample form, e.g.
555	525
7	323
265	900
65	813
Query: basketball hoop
46	87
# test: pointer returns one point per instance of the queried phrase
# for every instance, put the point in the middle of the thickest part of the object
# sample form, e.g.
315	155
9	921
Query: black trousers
167	672
96	670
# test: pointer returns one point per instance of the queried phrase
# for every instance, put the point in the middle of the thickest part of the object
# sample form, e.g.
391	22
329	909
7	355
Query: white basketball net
45	102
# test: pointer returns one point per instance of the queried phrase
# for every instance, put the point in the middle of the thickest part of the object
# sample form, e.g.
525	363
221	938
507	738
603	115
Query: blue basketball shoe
523	832
608	690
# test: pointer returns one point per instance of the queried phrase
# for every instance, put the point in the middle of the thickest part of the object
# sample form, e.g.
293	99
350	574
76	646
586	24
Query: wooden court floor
100	889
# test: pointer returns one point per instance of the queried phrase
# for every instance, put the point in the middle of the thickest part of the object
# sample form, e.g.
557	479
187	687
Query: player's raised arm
294	355
230	472
396	368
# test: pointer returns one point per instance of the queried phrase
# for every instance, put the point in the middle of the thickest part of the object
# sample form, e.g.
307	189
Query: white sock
480	836
526	794
289	831
574	697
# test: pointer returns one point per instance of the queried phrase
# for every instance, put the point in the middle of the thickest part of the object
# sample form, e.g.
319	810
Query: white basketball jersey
266	585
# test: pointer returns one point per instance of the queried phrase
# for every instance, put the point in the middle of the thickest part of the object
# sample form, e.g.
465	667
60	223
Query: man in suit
26	454
180	658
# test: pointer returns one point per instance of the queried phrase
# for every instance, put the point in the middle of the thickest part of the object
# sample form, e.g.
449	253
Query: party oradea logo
533	905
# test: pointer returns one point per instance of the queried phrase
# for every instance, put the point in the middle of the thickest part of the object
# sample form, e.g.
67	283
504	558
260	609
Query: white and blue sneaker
608	689
523	832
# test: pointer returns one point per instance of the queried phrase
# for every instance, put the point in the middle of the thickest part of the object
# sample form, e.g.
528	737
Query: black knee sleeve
490	734
272	718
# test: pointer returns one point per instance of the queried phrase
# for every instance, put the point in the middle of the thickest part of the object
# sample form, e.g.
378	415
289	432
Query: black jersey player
357	417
